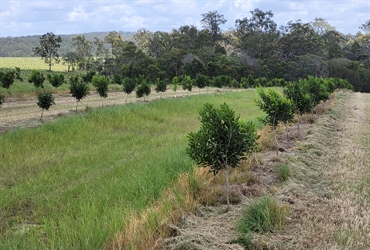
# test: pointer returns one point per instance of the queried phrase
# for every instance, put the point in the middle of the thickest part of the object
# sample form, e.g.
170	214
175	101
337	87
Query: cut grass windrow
73	184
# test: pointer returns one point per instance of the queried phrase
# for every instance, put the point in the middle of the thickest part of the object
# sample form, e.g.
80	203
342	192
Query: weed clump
263	215
284	172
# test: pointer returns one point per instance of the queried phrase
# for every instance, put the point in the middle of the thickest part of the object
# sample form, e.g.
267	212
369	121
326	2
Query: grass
263	215
29	63
284	172
75	183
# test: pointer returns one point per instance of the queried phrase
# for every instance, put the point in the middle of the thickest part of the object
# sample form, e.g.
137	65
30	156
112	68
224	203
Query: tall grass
73	183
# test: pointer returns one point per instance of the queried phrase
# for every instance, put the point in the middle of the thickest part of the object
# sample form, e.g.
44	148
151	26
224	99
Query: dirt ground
24	112
328	192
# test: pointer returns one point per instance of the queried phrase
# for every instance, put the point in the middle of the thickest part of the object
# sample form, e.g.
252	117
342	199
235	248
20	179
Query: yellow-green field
29	63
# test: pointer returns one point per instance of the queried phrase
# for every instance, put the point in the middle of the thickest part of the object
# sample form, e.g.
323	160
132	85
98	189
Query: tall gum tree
48	49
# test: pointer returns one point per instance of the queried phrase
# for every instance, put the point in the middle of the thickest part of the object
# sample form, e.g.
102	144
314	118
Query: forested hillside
25	45
255	48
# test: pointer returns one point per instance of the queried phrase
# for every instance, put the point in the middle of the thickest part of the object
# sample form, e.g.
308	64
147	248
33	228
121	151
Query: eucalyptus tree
48	49
299	39
211	21
83	50
258	34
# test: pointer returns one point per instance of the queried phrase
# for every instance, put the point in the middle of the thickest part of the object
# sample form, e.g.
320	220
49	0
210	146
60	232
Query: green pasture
70	184
29	63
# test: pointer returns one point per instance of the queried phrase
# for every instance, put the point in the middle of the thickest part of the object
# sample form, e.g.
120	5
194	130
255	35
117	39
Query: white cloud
23	17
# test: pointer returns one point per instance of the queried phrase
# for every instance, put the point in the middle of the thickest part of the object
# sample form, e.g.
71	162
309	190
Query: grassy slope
70	184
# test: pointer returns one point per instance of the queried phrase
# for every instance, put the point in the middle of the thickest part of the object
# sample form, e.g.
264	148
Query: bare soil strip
328	193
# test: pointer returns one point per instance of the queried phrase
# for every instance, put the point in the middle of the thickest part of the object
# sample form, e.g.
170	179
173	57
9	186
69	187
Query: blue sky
34	17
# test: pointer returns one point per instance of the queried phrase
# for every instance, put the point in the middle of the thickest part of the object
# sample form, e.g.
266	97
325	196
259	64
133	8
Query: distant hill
23	46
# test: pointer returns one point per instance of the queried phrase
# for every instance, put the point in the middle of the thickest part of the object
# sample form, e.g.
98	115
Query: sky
34	17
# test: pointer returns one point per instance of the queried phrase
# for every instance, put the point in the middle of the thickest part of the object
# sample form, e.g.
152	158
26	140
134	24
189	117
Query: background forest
255	48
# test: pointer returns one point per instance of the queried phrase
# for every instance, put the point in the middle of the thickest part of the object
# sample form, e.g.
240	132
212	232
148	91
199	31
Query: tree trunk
287	132
276	141
227	187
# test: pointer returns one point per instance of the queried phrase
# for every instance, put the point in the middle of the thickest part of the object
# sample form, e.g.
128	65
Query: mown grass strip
72	183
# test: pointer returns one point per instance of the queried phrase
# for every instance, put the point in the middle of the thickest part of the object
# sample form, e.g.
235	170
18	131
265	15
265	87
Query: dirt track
24	112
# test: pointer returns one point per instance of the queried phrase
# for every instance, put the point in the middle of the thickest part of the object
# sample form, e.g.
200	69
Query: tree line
256	47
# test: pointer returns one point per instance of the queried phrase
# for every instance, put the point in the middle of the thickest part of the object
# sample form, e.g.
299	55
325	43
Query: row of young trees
142	85
255	47
223	140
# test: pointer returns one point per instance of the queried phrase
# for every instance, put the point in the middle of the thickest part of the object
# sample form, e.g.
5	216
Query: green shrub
56	79
37	78
101	85
7	78
262	215
45	101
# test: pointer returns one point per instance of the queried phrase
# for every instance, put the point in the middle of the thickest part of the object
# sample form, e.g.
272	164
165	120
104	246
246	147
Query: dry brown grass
329	189
266	139
143	230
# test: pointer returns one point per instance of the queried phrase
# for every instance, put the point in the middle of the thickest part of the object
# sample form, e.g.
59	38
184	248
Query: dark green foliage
117	78
45	100
129	84
193	68
222	140
88	76
18	74
78	88
7	78
187	83
37	78
261	81
235	84
2	99
56	80
248	82
101	85
262	215
143	89
221	81
316	87
277	107
301	99
201	81
160	86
